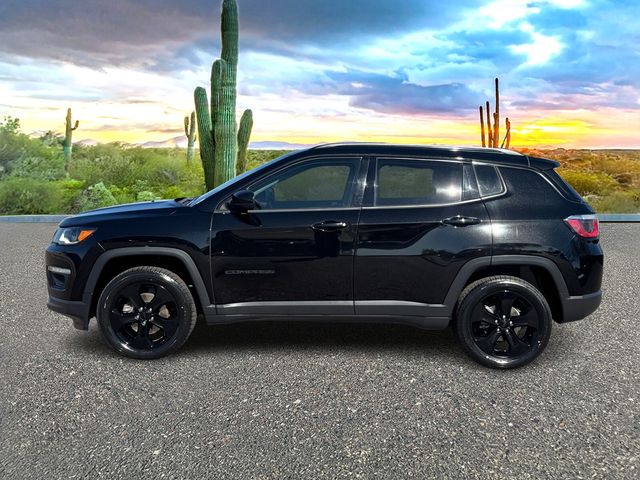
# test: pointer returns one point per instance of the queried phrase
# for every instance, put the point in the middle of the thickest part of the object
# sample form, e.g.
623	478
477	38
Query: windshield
228	183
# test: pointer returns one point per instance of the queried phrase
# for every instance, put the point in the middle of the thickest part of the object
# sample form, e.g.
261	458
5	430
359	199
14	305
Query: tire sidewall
184	307
464	321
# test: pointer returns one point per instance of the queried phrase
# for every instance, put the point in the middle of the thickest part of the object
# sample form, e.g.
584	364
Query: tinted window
313	184
564	187
529	189
489	182
418	182
469	183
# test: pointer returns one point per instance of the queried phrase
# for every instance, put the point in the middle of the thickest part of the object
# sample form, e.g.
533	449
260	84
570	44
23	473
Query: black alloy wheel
146	312
503	322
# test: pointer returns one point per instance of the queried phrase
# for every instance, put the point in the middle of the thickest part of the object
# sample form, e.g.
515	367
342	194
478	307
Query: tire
502	322
146	312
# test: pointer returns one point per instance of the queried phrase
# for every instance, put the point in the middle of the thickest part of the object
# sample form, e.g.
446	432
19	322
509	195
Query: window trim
358	184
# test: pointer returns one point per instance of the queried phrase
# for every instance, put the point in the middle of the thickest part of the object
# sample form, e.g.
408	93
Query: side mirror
242	202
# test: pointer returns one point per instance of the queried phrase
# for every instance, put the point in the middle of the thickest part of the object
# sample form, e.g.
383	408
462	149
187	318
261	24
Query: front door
293	255
421	222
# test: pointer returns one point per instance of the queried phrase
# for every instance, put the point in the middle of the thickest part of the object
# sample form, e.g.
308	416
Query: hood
129	210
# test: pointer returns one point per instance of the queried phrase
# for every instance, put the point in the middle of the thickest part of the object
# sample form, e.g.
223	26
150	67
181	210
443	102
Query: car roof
493	155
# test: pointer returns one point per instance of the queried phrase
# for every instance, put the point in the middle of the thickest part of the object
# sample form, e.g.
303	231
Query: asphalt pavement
314	401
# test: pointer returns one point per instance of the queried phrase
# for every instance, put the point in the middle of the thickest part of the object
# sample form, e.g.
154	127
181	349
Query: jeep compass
489	241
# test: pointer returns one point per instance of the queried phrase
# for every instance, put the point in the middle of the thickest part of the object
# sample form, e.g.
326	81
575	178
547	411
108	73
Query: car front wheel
146	312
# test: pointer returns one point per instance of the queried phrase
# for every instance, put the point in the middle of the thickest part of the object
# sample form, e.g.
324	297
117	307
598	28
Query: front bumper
579	307
77	311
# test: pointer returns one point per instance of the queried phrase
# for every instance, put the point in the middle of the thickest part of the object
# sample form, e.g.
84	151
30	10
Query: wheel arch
117	260
540	271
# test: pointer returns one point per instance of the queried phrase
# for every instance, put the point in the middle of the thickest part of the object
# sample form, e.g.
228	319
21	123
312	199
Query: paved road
314	401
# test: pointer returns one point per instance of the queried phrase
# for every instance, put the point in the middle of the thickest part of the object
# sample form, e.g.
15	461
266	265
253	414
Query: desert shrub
96	196
146	196
45	165
23	196
589	183
70	195
618	202
102	163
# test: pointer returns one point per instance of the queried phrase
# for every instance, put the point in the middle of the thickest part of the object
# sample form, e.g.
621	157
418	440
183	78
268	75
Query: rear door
421	221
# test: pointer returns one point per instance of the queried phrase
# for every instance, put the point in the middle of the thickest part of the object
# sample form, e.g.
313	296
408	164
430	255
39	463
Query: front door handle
460	221
329	226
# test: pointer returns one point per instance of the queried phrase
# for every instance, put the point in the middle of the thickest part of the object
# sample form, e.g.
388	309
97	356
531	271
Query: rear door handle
329	226
460	221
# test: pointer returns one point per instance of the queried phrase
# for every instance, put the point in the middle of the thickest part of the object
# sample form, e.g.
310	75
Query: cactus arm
508	136
192	130
207	146
186	126
489	129
496	116
484	143
244	133
76	126
216	87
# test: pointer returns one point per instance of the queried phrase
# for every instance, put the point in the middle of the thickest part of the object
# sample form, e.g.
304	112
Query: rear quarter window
529	188
566	189
489	182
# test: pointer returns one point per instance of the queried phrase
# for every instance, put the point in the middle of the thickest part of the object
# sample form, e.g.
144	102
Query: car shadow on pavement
297	336
278	335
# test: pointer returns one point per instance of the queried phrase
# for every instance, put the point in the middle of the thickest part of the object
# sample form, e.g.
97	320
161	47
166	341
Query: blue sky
322	71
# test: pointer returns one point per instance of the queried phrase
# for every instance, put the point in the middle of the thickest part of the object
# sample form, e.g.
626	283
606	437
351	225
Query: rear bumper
77	311
579	307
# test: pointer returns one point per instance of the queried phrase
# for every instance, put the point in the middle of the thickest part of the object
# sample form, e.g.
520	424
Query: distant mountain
175	142
181	142
87	142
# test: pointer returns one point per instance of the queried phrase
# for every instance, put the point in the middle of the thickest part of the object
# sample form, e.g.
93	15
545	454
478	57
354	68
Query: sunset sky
410	71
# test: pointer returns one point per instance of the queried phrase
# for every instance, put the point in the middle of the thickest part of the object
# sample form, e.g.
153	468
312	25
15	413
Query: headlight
73	235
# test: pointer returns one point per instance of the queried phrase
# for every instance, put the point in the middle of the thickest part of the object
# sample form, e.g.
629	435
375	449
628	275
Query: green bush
27	196
589	183
96	196
617	202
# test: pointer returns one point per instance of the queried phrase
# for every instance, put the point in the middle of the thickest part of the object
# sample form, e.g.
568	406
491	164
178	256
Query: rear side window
529	188
566	189
489	182
418	182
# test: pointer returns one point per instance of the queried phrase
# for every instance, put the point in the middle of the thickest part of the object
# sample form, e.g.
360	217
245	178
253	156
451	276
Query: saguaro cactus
68	137
492	139
217	130
190	132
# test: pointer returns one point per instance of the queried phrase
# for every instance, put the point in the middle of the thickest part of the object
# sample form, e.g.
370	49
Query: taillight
584	225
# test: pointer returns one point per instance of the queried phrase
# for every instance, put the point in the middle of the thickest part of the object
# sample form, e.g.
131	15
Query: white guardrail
604	218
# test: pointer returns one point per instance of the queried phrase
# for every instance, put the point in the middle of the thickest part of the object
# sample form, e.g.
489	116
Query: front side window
418	182
312	184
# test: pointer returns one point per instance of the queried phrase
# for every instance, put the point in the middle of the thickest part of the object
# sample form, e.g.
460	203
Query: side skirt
426	323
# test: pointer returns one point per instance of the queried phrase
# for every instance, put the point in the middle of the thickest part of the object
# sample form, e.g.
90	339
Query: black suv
490	241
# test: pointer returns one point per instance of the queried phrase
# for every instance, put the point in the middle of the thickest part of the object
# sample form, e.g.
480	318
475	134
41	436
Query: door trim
400	308
328	307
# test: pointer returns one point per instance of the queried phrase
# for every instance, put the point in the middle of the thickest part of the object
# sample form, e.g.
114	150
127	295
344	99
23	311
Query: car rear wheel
503	322
146	312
